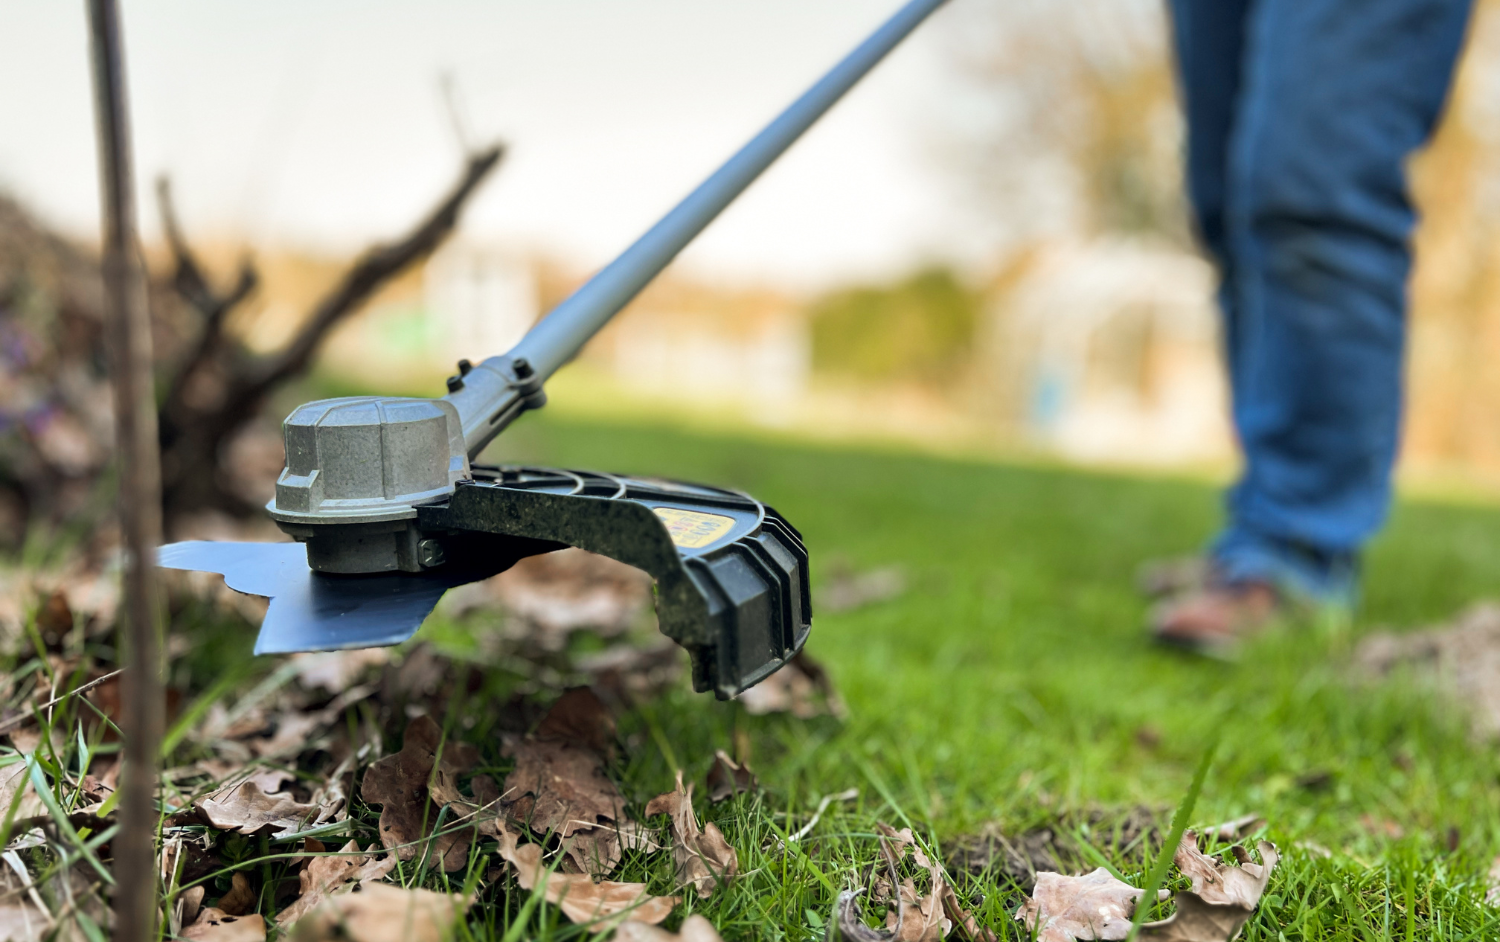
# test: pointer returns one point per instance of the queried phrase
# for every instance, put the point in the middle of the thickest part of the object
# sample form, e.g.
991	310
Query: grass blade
1180	819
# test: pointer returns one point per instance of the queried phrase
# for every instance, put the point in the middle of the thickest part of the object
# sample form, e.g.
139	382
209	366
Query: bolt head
430	553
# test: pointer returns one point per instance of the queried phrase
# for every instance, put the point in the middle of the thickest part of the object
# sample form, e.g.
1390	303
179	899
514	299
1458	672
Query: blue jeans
1300	116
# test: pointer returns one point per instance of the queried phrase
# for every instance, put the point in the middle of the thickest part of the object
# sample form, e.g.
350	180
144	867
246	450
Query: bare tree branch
376	267
191	284
193	437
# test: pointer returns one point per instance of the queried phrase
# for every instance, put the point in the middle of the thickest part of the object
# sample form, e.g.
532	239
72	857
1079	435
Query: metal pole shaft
562	333
129	326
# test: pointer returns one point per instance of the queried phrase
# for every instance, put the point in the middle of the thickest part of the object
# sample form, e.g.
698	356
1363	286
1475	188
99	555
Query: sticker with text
690	529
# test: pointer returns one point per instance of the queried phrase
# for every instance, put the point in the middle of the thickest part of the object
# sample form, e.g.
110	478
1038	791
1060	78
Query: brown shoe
1211	620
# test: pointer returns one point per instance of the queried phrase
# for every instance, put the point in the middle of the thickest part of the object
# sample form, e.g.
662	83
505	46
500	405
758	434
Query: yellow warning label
690	529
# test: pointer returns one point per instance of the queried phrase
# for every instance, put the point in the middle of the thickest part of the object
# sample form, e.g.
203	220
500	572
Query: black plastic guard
731	574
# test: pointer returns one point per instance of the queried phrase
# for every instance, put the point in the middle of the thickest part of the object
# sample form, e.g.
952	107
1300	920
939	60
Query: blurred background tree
919	329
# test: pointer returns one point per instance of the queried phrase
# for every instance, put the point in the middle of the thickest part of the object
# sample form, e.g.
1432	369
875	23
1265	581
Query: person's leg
1209	45
1334	96
1208	41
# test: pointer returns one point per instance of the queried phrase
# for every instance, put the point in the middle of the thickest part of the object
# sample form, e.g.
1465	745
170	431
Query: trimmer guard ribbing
731	574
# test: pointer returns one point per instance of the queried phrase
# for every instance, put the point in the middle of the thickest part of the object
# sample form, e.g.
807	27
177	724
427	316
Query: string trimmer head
390	512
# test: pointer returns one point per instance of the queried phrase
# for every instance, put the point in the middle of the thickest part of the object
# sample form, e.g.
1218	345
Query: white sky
320	122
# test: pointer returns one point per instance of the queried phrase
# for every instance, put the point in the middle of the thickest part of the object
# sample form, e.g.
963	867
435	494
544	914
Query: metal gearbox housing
357	469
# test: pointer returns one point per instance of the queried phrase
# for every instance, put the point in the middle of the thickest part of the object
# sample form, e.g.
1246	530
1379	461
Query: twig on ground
14	721
806	829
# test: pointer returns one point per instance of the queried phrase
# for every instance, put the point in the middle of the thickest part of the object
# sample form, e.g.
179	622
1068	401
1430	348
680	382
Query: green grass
1012	683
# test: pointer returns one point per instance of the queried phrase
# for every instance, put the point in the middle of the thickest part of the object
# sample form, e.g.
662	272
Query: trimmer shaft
382	492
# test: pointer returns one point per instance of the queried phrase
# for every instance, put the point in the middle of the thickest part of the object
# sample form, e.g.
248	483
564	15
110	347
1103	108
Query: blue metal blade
313	611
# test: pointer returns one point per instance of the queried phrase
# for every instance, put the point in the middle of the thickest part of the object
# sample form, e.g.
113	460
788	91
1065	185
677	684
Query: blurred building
748	348
479	300
1108	350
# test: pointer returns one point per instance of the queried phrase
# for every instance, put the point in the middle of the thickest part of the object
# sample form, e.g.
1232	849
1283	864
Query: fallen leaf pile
559	790
694	929
531	613
548	598
1462	658
559	785
410	815
1018	857
215	925
324	877
383	913
1093	906
703	857
1099	906
844	589
911	916
579	896
727	778
246	809
802	688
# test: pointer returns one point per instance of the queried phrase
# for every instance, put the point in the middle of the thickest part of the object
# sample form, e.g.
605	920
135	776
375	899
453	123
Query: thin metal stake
129	330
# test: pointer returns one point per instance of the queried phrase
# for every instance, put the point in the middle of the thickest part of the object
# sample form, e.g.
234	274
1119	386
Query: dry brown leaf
577	895
23	922
294	733
457	760
26	738
727	778
894	844
1093	906
694	929
801	687
581	718
565	784
918	918
703	857
549	597
383	913
215	925
921	917
558	785
1231	830
337	671
332	797
189	902
246	809
626	674
329	875
844	590
1015	859
15	778
269	781
1222	899
241	897
560	788
967	925
1197	921
408	814
1462	657
556	594
1217	882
